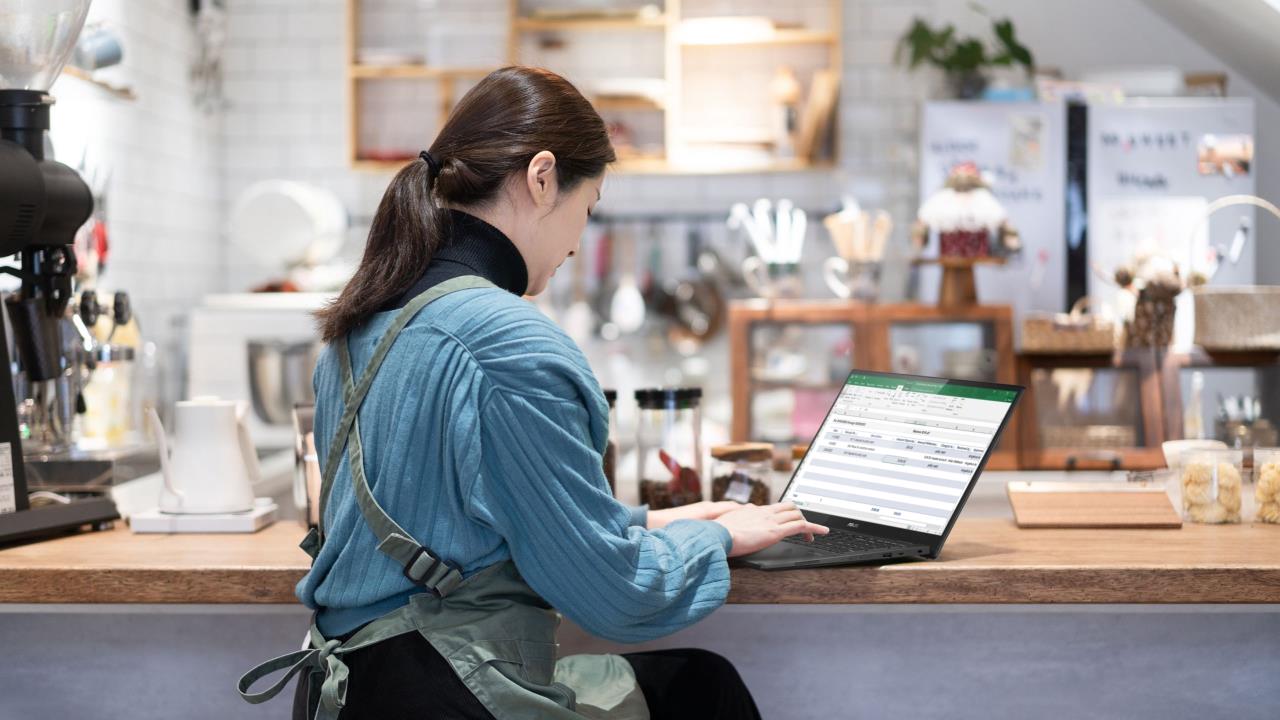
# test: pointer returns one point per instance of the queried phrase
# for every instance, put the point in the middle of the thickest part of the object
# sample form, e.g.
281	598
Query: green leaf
968	55
1013	50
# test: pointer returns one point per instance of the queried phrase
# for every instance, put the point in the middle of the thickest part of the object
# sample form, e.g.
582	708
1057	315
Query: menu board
1153	167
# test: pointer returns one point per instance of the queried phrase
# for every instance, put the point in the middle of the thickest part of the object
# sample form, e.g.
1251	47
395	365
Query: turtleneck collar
474	247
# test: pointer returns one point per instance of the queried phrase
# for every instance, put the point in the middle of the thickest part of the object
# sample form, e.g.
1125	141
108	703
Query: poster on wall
1153	167
1020	148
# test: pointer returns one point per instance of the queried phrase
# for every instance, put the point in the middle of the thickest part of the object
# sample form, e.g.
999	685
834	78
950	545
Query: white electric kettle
209	464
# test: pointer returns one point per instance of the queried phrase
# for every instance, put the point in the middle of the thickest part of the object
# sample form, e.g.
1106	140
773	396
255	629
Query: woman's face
559	218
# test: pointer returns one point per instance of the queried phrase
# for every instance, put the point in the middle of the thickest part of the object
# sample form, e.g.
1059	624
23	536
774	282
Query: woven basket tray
1077	332
1245	317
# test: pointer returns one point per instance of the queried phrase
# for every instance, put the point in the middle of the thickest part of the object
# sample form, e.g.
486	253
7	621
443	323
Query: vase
968	85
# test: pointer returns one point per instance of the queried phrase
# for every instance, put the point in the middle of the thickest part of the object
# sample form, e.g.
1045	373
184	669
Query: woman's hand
756	527
693	511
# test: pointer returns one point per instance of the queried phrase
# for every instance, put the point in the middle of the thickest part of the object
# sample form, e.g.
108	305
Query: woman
462	436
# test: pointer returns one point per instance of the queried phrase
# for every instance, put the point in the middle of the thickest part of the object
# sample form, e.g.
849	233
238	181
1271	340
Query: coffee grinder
42	205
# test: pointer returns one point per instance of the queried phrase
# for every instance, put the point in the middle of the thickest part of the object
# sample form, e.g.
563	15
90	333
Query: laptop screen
900	451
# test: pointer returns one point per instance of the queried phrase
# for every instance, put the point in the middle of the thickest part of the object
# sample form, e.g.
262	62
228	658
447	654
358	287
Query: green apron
492	628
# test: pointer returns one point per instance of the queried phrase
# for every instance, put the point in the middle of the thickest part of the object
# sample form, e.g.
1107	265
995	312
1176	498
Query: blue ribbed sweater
483	435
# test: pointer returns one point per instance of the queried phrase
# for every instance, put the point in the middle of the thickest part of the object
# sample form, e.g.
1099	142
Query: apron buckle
429	571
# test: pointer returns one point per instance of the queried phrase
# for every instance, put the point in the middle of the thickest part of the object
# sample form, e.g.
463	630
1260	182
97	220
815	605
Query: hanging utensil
627	309
578	318
741	218
799	227
764	224
782	229
881	229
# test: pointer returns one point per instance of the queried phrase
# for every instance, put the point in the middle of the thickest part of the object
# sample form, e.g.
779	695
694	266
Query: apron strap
333	690
418	563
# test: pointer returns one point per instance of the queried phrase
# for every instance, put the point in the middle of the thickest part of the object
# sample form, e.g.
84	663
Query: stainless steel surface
115	353
89	470
47	408
280	378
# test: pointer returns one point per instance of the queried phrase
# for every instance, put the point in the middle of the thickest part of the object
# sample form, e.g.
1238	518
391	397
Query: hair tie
433	166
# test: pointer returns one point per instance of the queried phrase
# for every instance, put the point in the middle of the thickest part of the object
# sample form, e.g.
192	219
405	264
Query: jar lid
114	353
611	396
655	398
749	451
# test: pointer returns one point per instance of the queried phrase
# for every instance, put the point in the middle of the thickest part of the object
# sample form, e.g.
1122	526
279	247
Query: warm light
725	30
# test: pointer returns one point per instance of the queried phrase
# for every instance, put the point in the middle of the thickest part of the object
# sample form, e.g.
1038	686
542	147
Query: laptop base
785	555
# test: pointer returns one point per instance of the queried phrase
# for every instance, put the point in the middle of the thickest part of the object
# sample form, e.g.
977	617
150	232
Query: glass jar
669	446
1212	483
741	473
611	448
108	398
1266	478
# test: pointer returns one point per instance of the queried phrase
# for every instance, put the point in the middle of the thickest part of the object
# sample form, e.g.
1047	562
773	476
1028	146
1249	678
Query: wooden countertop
985	561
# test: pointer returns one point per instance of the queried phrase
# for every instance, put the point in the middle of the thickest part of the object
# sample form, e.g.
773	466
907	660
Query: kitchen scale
261	515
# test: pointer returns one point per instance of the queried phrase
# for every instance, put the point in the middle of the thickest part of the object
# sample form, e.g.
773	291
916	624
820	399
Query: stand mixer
42	205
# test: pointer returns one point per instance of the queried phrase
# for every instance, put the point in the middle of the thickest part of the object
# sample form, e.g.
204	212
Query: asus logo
852	524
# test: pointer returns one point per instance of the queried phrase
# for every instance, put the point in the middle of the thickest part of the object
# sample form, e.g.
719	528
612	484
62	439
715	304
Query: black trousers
404	678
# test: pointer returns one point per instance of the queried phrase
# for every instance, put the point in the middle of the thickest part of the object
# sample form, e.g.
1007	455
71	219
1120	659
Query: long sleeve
639	515
541	487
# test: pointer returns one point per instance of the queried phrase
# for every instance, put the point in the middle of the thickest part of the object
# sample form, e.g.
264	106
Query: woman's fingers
789	516
796	527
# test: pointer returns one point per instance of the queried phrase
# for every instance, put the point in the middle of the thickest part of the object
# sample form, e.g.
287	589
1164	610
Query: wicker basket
1238	318
1077	332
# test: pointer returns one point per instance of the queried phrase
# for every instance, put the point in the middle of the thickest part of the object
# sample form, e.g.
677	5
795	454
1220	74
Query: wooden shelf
119	91
760	384
528	24
870	327
627	103
635	166
389	166
779	37
420	72
675	116
664	167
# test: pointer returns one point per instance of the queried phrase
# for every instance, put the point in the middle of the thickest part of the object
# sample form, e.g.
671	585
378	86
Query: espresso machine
42	205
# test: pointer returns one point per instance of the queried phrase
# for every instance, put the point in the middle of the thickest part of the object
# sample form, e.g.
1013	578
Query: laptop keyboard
839	542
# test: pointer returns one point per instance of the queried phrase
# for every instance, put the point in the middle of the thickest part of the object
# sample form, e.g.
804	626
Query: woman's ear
541	178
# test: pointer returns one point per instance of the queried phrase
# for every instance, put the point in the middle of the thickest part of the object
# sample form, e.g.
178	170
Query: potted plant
966	61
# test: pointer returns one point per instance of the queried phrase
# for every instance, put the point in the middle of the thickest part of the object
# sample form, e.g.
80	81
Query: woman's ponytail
406	232
494	132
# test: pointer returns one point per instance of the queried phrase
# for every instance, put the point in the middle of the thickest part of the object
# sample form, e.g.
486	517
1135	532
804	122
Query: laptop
891	468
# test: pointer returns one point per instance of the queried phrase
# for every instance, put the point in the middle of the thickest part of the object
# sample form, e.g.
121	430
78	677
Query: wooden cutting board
1049	504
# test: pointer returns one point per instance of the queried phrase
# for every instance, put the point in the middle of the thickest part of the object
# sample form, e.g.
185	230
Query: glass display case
1098	411
796	371
961	350
1232	397
790	358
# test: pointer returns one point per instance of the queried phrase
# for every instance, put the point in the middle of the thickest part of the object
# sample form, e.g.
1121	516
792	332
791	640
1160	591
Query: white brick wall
164	201
286	113
175	171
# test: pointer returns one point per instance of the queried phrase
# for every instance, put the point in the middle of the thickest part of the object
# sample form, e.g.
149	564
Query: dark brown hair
495	130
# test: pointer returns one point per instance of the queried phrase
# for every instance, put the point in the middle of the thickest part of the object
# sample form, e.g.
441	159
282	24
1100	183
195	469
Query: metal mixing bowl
280	377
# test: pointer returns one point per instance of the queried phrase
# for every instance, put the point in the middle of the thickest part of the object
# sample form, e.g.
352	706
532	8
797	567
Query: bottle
1193	416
